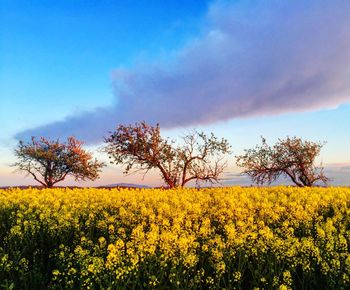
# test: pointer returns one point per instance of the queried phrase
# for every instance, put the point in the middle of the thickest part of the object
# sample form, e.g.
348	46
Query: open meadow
232	238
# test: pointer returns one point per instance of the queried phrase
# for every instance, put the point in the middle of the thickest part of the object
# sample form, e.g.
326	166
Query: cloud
252	58
235	178
339	173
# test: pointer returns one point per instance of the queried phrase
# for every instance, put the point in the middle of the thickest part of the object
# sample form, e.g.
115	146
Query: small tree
291	157
50	162
141	146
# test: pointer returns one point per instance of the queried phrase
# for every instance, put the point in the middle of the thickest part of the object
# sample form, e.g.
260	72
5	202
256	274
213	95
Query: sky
240	69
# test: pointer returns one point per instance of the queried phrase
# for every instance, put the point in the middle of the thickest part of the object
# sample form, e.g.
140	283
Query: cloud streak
253	58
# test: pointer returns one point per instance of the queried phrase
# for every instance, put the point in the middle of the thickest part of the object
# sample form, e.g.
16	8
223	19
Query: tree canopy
293	158
50	162
141	147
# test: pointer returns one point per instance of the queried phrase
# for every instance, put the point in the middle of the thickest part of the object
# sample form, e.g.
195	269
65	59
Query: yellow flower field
232	238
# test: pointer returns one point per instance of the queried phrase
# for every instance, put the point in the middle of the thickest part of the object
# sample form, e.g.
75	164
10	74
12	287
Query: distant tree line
198	157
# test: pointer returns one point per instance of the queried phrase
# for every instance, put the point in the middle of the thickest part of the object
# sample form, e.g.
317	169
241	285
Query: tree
50	162
200	158
291	157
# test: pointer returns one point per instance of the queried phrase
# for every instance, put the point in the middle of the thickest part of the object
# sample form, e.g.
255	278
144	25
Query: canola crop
218	238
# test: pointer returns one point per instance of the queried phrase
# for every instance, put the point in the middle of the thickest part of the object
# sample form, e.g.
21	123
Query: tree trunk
50	182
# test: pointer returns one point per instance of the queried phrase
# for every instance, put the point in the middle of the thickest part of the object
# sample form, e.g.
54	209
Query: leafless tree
50	162
291	157
199	158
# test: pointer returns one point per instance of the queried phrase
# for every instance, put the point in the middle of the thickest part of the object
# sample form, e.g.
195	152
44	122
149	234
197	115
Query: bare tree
291	157
50	162
199	158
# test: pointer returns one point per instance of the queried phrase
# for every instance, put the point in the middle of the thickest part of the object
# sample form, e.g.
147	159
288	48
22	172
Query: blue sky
238	68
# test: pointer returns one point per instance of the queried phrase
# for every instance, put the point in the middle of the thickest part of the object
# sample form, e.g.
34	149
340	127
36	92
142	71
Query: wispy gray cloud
235	178
339	173
253	58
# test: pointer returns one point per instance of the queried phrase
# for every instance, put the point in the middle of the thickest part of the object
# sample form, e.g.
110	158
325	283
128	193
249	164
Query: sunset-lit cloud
251	59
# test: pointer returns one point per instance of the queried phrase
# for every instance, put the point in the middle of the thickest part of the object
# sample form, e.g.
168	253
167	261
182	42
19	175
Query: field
233	238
